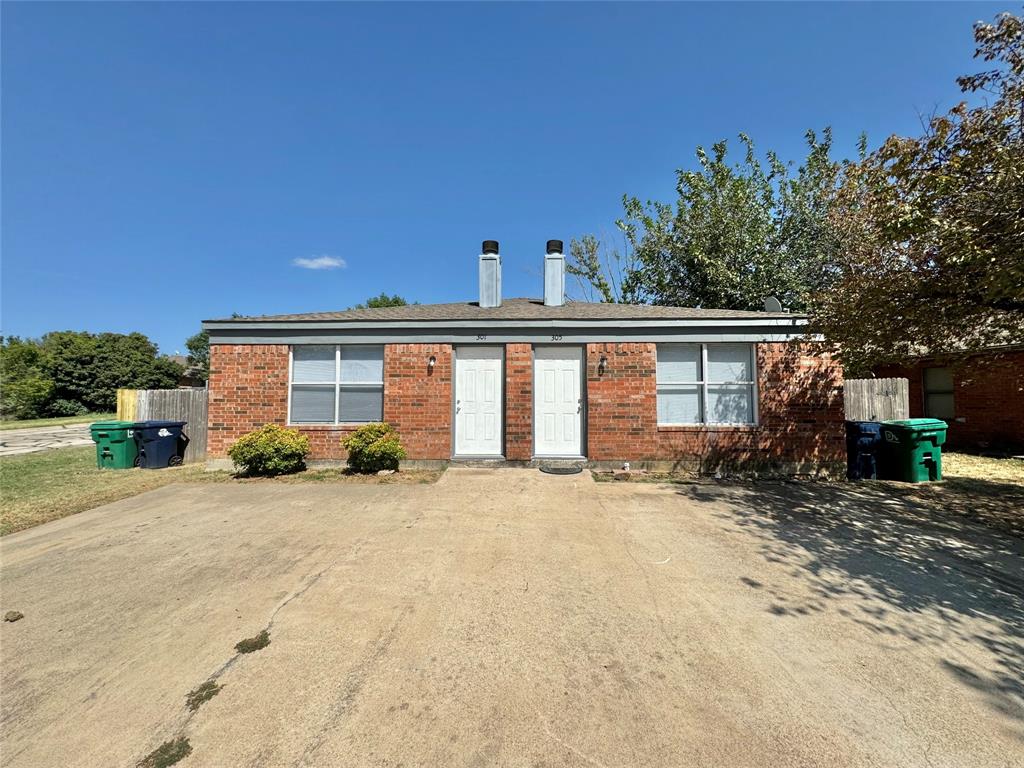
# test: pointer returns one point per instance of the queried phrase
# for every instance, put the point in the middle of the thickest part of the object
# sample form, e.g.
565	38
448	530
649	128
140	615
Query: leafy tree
25	388
931	228
383	301
602	272
70	364
67	373
198	346
736	234
87	369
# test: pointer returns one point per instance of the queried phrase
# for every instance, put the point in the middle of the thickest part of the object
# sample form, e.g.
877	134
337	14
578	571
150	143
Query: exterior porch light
602	365
431	363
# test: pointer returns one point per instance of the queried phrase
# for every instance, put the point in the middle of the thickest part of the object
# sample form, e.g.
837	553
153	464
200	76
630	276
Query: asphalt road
517	619
16	441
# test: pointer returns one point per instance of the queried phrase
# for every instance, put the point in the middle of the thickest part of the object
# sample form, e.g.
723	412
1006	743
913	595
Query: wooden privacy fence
186	404
876	399
127	404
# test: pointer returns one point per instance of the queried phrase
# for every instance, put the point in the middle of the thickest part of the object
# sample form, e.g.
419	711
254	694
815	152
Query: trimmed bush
270	450
373	447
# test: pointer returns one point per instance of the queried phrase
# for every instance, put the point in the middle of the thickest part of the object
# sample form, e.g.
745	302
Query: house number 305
556	338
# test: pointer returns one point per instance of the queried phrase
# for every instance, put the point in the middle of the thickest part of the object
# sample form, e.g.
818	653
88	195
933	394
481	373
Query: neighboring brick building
980	396
528	379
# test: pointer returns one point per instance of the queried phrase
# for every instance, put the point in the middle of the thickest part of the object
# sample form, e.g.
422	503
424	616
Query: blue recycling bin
863	445
161	443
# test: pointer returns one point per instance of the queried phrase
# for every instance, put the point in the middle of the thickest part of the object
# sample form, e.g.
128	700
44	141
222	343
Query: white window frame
337	384
704	383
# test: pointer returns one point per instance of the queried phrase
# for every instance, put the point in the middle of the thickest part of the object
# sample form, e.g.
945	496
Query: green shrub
270	450
62	407
373	447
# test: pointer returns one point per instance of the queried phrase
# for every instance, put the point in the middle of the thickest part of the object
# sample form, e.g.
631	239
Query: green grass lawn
43	486
59	421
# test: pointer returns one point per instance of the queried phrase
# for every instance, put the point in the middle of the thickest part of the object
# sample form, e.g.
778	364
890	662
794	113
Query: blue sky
166	163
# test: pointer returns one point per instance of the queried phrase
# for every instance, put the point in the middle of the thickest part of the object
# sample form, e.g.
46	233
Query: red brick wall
249	388
418	401
518	402
988	398
799	402
622	403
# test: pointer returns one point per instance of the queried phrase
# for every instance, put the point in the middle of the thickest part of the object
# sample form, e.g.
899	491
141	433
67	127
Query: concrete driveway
34	439
504	617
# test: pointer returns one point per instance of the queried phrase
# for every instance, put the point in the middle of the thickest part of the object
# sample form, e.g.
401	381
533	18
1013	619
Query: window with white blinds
705	384
336	384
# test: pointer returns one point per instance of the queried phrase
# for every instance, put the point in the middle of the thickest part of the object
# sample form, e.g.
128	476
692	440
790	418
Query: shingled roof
513	309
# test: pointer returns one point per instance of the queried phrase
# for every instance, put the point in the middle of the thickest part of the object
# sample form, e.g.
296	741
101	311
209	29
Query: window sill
347	425
708	427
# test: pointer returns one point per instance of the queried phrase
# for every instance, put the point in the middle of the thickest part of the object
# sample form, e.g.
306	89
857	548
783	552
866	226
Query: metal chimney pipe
554	274
490	274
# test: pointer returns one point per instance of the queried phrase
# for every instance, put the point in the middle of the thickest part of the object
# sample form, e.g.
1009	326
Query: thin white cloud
320	262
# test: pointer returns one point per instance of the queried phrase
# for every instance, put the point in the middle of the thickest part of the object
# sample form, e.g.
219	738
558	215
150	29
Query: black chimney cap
554	246
490	246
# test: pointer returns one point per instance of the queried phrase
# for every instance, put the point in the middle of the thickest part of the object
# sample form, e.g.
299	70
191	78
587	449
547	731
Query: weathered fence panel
876	399
185	404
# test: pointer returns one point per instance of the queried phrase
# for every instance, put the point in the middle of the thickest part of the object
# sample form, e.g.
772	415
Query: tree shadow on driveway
901	565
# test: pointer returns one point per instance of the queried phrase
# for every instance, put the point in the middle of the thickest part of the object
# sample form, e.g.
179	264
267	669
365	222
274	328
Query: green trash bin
912	449
115	444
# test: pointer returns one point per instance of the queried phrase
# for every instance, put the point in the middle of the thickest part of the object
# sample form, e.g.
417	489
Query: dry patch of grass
413	476
988	490
965	465
38	487
44	486
980	488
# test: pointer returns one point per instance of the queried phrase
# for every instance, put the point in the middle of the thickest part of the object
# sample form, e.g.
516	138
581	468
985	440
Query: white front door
478	401
558	403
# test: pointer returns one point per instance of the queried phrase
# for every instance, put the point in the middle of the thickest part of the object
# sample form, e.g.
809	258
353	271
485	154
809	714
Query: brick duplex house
980	395
518	380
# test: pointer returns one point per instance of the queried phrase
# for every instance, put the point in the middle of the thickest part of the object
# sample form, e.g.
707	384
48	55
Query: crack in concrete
554	737
220	671
624	537
270	623
354	682
925	752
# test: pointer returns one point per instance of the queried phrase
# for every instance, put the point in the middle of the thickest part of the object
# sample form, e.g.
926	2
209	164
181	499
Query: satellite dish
771	304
